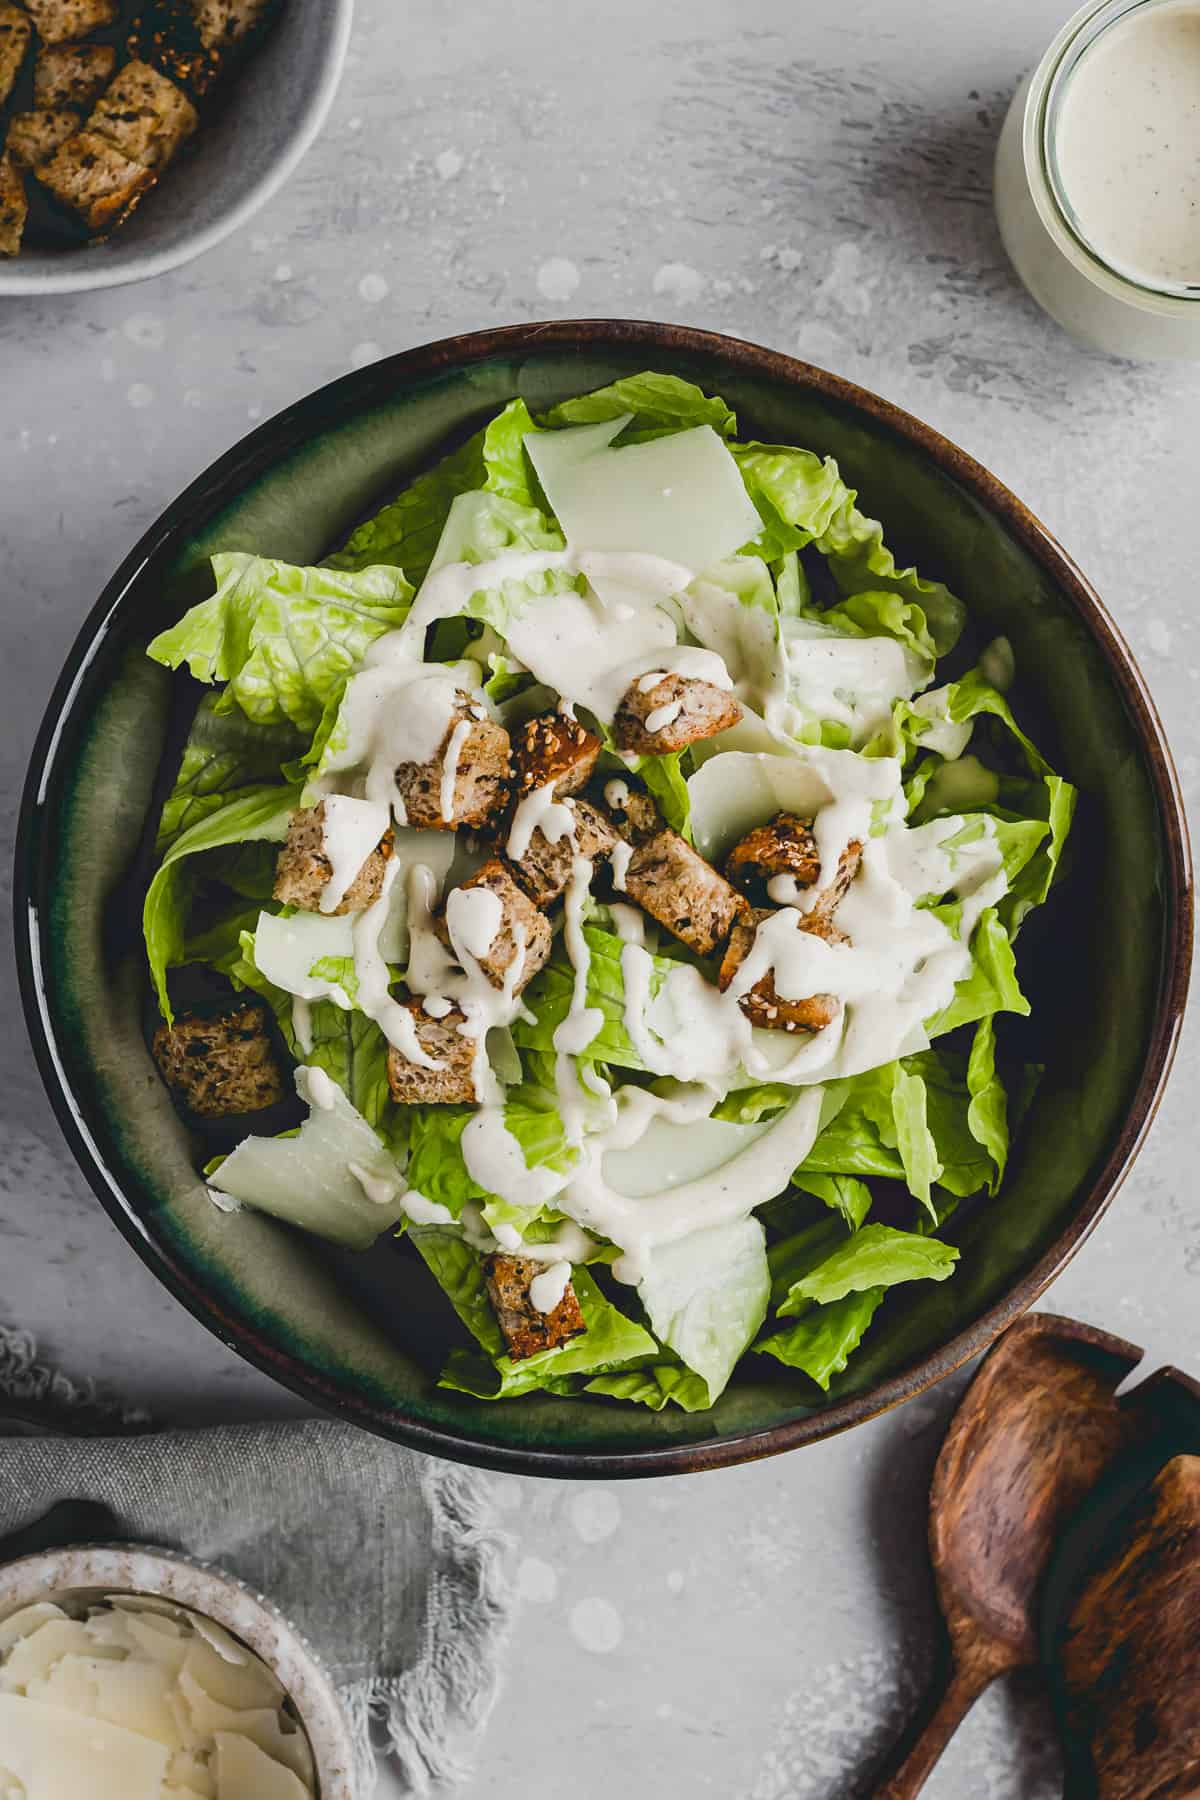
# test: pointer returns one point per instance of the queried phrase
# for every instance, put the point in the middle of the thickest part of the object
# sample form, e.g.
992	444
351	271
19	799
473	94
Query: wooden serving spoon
1035	1431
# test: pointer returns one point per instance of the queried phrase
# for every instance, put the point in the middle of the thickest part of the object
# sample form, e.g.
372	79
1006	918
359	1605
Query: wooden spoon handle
951	1696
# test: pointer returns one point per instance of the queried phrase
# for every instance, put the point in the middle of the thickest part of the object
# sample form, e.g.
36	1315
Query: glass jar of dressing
1098	178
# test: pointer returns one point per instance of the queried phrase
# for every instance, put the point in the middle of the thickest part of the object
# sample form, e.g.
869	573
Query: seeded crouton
674	884
303	869
545	867
553	751
94	179
762	1005
523	936
526	1330
481	775
33	137
13	207
217	1067
72	74
451	1085
15	33
787	847
634	815
659	716
58	21
145	115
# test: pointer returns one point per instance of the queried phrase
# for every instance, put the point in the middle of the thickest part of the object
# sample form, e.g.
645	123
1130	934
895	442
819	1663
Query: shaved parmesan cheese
25	1623
245	1773
286	949
166	1647
680	497
59	1756
260	1726
307	1179
246	1685
34	1657
191	1772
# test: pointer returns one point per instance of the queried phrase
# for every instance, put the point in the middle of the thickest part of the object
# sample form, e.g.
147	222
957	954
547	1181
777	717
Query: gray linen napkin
390	1563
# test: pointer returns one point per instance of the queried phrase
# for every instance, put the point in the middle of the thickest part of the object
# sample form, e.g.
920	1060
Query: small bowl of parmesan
133	1674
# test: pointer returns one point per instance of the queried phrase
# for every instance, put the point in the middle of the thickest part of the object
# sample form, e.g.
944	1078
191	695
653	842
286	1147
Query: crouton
33	137
72	74
634	815
14	206
526	1330
15	33
91	176
145	115
216	1067
545	868
667	713
522	936
553	751
451	1085
787	847
762	1005
674	884
303	870
58	21
481	775
225	24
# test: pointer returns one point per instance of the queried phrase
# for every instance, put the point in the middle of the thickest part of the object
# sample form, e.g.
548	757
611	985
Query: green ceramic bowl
364	1336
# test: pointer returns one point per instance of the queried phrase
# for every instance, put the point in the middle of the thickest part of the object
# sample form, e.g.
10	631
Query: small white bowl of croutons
127	1674
136	134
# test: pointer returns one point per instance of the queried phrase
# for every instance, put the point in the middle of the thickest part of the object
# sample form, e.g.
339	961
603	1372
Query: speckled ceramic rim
307	122
342	401
156	1574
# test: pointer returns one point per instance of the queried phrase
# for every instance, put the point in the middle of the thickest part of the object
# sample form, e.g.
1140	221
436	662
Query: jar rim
1095	23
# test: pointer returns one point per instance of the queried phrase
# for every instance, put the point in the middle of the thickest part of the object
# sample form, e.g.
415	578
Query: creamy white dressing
450	759
619	859
539	811
848	681
474	916
425	1212
945	736
547	1289
374	979
350	832
662	716
380	1190
495	1160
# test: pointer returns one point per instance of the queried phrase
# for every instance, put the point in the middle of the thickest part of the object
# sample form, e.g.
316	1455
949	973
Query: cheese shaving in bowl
120	1698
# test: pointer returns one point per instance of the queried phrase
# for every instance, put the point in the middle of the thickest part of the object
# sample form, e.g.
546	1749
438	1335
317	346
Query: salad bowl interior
366	1334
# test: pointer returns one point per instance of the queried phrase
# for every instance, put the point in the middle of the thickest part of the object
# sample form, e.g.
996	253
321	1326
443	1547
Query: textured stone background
812	175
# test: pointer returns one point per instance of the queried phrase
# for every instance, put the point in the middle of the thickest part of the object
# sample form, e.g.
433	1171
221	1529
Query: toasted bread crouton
15	33
72	74
663	713
762	1005
787	847
217	1067
58	21
303	869
480	775
145	115
91	176
225	24
14	207
545	867
674	884
453	1084
522	937
552	751
33	137
526	1330
634	815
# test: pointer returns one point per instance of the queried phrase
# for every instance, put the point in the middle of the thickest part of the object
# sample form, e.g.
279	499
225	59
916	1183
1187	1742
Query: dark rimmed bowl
364	1336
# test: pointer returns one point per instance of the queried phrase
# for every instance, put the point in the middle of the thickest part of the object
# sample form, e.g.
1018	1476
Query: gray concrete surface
814	176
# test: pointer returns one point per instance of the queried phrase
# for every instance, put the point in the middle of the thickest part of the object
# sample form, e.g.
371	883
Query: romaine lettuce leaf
285	639
992	985
844	1194
659	1385
480	525
436	1167
224	755
706	1297
549	997
861	563
659	403
405	533
875	1256
797	494
257	815
822	1341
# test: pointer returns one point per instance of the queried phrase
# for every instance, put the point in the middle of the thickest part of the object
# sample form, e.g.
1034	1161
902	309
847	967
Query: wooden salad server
1035	1431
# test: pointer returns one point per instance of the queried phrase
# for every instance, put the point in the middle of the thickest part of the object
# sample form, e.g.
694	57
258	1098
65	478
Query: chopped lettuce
610	1341
656	403
436	1167
224	755
822	1341
875	1256
406	532
284	639
548	1000
706	1297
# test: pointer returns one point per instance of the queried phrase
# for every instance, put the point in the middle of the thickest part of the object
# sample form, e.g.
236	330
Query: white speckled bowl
94	1571
240	158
